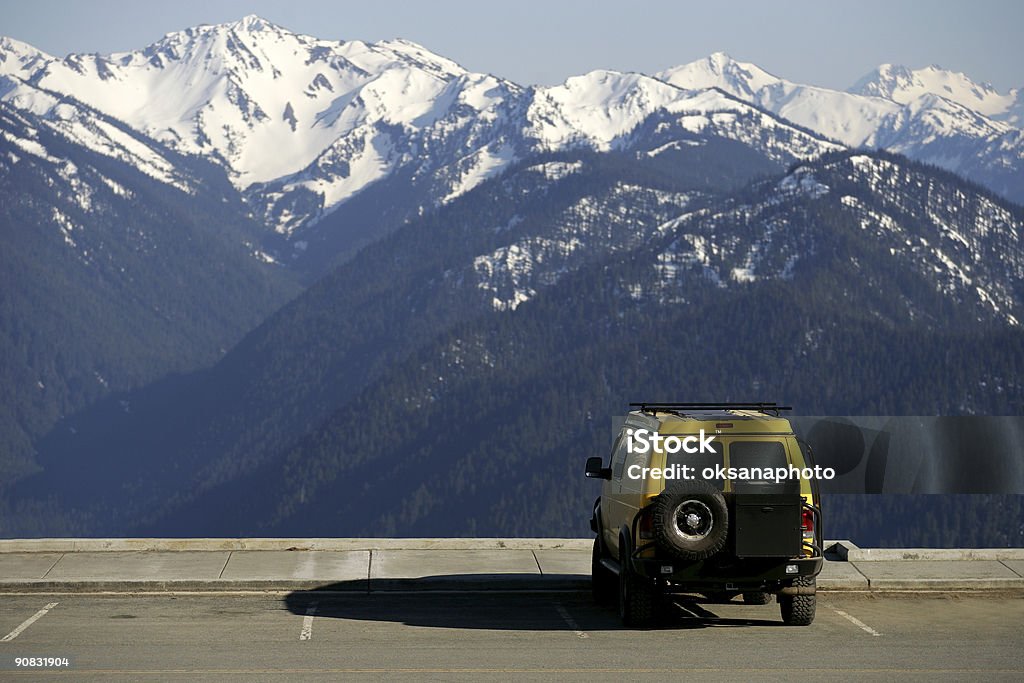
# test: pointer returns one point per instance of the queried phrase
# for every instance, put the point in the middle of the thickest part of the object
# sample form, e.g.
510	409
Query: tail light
807	525
646	527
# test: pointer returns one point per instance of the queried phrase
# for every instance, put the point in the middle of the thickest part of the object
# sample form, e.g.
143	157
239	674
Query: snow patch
556	170
479	167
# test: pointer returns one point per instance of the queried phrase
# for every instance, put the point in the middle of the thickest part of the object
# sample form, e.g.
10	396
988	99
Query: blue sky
825	43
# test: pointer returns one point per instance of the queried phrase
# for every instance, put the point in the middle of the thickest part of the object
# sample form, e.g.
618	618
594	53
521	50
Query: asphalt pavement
498	636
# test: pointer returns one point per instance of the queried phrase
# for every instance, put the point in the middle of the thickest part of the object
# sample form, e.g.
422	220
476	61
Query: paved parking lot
445	636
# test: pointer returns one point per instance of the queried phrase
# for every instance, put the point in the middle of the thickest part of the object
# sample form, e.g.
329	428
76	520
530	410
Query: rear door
766	510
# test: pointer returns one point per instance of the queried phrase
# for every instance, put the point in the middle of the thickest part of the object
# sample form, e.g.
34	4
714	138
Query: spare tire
690	520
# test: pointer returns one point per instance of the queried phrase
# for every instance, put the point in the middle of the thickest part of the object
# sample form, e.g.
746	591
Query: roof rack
760	406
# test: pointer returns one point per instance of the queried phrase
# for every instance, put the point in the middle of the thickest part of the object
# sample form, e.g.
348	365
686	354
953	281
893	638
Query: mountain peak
720	59
20	59
251	29
892	71
254	23
904	85
13	45
719	70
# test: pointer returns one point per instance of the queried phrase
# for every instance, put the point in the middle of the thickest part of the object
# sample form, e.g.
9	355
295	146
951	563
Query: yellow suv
717	499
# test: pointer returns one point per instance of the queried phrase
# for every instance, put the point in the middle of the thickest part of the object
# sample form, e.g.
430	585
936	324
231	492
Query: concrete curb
92	545
842	549
142	565
497	584
934	554
946	585
847	550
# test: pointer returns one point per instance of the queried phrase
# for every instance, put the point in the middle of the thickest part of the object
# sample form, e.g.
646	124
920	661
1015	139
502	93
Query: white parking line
567	618
857	622
307	623
28	622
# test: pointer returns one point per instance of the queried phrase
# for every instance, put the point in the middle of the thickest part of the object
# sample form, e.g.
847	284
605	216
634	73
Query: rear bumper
717	574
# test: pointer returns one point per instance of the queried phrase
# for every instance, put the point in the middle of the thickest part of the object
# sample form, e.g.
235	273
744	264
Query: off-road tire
756	598
672	538
636	597
798	610
603	583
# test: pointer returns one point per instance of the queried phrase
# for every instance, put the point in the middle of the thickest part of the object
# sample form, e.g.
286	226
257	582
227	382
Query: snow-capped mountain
271	105
850	119
512	240
264	100
837	272
930	114
903	85
966	246
605	110
301	125
595	109
80	124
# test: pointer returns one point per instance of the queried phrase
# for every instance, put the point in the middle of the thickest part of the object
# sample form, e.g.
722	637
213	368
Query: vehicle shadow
687	612
502	610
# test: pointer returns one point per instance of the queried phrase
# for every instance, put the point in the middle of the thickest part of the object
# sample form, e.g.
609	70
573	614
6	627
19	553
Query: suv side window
635	458
619	456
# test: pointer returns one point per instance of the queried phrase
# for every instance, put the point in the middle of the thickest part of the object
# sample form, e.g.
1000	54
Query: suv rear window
760	454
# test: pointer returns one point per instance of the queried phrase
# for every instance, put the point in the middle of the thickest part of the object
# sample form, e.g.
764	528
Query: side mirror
595	470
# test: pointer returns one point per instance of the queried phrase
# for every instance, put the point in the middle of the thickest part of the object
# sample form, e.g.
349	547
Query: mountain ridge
302	124
821	258
477	258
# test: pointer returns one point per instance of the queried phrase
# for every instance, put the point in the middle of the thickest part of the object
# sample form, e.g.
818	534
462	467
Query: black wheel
690	520
636	596
756	598
602	581
798	610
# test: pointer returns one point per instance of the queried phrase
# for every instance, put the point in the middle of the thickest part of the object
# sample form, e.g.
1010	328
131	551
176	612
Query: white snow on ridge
851	119
929	114
556	170
596	108
20	59
841	116
686	252
803	181
750	83
513	274
238	91
719	70
675	144
30	146
286	113
710	112
80	126
480	166
903	86
932	119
